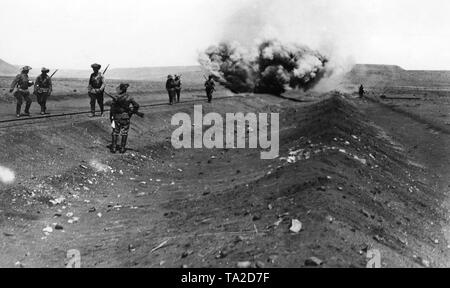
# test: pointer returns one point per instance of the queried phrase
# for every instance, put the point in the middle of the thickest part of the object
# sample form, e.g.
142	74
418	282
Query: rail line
26	120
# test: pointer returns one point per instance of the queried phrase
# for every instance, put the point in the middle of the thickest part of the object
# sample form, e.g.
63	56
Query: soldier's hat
123	86
169	76
96	66
45	70
26	68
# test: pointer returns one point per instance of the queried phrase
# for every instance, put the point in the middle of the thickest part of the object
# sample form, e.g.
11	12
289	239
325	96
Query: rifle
140	114
106	69
54	73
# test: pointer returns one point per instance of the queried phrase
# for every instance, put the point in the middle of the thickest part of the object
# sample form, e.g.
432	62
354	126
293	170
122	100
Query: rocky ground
355	175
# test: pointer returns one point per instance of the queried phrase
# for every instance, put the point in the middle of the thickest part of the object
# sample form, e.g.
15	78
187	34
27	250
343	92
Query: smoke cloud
273	46
271	67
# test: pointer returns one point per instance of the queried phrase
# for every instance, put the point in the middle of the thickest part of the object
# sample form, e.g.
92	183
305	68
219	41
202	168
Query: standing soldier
170	87
43	89
361	91
121	113
22	83
96	89
178	87
210	87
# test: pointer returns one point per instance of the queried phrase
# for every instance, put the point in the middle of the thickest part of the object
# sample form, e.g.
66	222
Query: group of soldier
173	87
42	90
123	106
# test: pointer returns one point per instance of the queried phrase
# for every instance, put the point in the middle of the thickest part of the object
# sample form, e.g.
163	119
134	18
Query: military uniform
96	89
22	83
177	83
209	87
43	89
361	91
123	106
170	87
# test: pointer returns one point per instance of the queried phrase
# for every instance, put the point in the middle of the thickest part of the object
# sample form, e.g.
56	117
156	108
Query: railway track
30	120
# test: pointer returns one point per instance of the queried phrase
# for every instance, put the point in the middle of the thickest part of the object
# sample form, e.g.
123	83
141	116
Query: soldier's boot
123	145
18	108
113	147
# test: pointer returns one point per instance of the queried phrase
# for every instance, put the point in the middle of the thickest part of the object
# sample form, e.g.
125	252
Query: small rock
18	264
313	262
186	253
296	226
222	254
365	213
244	264
92	209
59	227
426	263
322	188
256	217
48	229
259	264
329	219
272	258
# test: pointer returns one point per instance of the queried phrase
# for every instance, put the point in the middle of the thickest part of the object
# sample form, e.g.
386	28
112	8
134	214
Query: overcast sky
131	33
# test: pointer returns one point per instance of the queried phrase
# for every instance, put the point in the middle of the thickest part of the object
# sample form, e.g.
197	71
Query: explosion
272	67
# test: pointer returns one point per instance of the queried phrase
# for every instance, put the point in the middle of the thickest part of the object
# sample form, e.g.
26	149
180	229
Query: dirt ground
358	173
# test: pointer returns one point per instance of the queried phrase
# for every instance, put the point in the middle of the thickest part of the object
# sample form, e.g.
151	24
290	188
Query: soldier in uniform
178	87
210	87
123	106
96	89
361	91
43	89
22	83
170	87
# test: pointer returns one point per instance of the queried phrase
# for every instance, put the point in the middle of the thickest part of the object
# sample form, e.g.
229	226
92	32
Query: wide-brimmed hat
96	66
45	70
123	86
26	68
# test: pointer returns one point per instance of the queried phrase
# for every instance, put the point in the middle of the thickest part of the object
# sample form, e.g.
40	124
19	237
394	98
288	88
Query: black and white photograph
224	134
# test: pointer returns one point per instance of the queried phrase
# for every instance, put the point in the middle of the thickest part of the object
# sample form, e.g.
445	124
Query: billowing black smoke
272	67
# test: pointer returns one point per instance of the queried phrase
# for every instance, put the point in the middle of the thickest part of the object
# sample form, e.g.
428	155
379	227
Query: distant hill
391	75
7	69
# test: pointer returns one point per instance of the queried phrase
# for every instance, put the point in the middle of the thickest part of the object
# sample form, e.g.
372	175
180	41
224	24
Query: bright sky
74	33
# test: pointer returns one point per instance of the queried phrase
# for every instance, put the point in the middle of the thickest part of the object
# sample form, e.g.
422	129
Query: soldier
121	113
361	91
96	89
210	87
170	87
178	87
43	89
22	83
